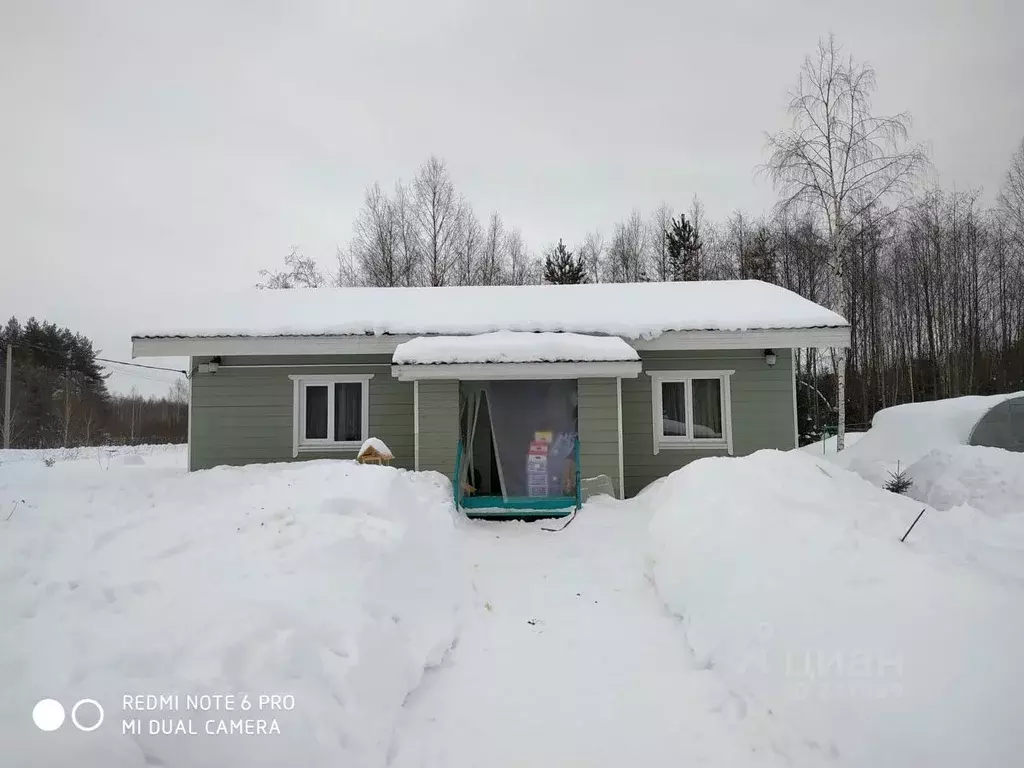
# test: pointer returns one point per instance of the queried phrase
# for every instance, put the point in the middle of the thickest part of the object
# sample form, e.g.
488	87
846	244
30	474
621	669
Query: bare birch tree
300	272
839	158
591	252
520	269
661	221
377	242
1011	196
629	251
438	212
469	247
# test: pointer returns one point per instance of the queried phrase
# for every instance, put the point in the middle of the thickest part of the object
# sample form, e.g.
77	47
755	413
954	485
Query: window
330	412
691	409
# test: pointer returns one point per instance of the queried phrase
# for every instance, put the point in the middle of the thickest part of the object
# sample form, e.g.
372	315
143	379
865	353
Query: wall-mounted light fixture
210	367
770	357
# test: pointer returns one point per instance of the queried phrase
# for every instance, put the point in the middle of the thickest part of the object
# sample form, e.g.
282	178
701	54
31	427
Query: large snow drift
328	581
903	434
629	310
513	347
793	584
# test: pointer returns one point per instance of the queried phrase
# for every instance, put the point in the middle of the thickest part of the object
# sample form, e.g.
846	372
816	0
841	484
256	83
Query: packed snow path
569	658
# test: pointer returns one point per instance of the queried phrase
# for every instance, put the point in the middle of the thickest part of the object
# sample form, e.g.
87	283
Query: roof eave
201	346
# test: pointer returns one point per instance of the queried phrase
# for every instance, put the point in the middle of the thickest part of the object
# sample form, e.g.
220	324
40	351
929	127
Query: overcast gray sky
148	150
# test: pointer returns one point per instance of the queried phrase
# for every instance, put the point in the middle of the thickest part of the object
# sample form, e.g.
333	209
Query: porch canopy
514	355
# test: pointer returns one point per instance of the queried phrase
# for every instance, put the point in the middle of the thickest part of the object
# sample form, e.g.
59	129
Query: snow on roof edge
379	334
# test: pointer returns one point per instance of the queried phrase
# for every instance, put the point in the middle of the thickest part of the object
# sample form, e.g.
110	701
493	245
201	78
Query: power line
99	359
140	365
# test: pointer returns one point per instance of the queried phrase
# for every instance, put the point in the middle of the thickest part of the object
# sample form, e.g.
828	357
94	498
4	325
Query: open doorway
519	444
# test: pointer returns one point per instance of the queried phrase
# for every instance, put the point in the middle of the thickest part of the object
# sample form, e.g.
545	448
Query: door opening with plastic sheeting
519	447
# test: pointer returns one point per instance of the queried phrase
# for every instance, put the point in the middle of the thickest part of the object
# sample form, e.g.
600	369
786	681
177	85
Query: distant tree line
931	280
59	395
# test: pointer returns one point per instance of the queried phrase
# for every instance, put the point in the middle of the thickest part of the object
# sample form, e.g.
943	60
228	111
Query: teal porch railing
576	464
456	482
516	506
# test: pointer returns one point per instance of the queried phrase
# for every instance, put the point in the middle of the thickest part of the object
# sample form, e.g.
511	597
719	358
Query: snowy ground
569	659
795	588
334	583
743	612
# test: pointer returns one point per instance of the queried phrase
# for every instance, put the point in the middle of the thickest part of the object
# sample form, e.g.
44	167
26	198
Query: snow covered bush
328	581
793	585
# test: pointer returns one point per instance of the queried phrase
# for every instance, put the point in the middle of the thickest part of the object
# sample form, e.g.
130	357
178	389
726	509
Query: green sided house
526	396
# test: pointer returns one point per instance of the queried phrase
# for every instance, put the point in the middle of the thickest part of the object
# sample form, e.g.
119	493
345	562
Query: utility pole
8	370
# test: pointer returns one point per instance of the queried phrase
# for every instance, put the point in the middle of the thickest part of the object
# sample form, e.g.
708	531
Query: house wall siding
439	425
599	429
244	415
762	409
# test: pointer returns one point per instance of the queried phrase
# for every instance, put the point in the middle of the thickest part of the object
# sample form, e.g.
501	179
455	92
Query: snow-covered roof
377	445
629	310
514	347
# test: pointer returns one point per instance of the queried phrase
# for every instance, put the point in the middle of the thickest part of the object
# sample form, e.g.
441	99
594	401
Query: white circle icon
48	715
74	715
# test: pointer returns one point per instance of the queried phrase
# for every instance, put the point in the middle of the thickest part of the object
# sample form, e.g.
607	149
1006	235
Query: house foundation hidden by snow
792	583
327	584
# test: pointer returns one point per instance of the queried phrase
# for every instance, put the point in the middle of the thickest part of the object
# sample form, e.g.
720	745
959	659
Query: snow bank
793	585
630	310
101	453
988	479
513	347
905	433
329	581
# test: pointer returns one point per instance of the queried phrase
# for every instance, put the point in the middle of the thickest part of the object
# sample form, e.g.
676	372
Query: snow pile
328	581
905	433
988	479
100	453
514	347
630	310
793	585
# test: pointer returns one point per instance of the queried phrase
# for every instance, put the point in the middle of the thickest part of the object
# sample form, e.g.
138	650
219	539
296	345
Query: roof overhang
504	371
201	346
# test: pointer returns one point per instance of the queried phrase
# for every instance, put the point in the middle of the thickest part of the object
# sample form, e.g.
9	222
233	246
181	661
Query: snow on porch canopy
515	354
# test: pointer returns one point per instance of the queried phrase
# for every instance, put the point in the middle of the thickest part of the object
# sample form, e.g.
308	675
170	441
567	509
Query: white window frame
301	444
689	442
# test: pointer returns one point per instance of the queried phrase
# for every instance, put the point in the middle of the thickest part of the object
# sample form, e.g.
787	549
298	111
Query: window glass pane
707	409
316	413
673	408
348	411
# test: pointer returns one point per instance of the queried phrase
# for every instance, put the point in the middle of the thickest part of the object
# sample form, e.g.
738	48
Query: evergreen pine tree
757	261
683	246
562	267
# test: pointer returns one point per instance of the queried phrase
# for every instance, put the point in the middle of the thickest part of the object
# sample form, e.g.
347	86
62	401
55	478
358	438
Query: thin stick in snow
913	524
